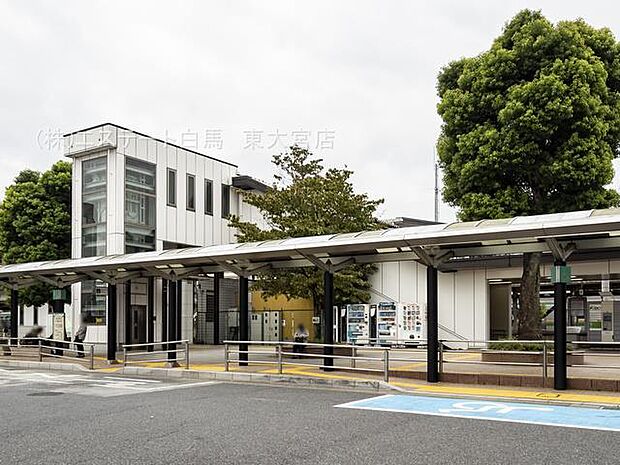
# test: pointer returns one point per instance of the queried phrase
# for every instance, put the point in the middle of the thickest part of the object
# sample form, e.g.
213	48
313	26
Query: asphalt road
50	418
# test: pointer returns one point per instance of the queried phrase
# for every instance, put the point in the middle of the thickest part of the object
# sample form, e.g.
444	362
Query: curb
288	381
51	366
366	385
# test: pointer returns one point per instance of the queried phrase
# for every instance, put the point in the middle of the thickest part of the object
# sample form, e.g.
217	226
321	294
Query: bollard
440	356
386	365
226	368
279	351
353	356
92	357
124	356
40	351
544	361
187	355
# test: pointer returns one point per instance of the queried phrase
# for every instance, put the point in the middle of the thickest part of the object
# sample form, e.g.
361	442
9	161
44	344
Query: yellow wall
293	312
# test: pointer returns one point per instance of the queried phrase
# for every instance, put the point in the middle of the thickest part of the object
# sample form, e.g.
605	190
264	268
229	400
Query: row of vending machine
385	323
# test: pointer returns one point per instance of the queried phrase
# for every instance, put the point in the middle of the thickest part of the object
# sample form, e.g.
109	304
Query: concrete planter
508	356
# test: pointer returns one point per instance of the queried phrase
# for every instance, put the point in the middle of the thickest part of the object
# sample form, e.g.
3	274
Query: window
94	302
171	188
94	195
191	192
225	200
139	206
208	197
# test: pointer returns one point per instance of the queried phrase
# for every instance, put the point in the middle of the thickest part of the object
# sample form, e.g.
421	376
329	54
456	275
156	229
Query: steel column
328	318
432	344
150	312
128	312
179	315
217	277
172	320
559	332
244	316
112	329
14	312
164	309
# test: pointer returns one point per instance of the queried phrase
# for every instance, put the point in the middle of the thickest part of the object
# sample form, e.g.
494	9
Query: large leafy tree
35	222
531	126
307	200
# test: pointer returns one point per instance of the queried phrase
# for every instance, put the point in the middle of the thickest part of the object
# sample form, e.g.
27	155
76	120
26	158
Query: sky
354	81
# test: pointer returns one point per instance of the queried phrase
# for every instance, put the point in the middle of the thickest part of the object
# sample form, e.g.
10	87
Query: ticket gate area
387	323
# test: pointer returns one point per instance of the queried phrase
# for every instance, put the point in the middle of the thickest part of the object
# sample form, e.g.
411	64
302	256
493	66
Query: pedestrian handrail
150	353
381	359
47	347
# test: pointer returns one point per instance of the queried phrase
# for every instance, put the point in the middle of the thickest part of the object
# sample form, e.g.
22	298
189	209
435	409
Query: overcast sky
355	75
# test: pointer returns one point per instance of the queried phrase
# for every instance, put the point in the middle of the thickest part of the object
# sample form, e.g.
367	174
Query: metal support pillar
244	333
217	277
328	319
559	331
112	323
14	312
164	309
150	312
128	312
179	323
432	343
172	320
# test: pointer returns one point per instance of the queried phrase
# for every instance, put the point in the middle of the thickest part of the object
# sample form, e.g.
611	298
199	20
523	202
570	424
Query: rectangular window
94	302
94	214
139	206
208	197
225	200
171	188
191	192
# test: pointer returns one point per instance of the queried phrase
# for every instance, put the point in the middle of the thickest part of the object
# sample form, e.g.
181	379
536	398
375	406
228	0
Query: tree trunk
528	315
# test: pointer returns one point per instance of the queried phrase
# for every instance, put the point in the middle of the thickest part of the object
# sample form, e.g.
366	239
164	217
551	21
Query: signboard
560	274
58	326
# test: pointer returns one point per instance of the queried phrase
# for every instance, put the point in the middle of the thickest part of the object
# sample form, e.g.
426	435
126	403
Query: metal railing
43	347
150	353
299	351
382	359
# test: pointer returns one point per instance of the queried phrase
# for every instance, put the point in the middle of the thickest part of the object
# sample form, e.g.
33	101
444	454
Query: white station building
133	193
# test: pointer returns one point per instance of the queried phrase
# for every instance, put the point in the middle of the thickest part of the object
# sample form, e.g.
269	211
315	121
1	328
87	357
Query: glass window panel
172	188
94	301
191	192
140	205
225	200
94	205
208	197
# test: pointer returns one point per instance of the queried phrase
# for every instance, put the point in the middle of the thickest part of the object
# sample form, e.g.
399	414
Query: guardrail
48	348
149	354
279	354
299	352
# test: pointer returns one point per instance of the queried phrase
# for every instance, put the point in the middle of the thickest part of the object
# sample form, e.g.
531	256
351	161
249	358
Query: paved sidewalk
209	359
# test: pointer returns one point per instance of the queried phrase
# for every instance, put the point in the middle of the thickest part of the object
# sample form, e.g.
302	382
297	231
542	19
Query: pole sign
560	274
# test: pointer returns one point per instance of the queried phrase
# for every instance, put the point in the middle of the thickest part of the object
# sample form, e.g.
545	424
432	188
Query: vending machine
387	323
411	323
360	319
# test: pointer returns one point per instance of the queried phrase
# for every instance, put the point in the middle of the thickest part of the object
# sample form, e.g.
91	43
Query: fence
42	347
152	352
385	360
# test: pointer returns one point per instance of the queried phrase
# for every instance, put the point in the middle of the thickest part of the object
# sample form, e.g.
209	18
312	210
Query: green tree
35	222
531	126
307	200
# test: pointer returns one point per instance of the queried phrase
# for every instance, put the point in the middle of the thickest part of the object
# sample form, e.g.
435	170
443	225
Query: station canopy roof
580	235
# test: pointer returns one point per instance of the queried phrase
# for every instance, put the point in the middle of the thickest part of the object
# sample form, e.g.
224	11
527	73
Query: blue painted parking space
515	412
